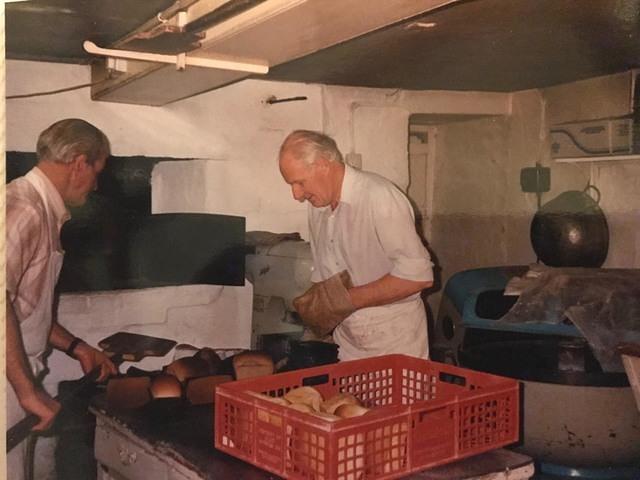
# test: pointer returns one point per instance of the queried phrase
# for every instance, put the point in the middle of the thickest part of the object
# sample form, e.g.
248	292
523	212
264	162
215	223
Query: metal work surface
136	444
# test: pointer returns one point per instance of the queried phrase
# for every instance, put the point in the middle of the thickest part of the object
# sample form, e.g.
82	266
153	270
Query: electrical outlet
535	179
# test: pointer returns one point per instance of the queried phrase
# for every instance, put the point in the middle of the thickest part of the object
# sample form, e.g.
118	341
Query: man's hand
91	358
32	398
42	405
326	304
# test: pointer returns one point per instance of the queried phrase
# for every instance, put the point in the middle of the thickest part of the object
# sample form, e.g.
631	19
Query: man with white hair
71	154
369	262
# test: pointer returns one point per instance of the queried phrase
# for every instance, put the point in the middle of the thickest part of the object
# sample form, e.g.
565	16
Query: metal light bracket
182	60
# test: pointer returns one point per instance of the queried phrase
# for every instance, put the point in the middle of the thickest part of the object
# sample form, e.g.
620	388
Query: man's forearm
19	372
32	398
60	337
385	290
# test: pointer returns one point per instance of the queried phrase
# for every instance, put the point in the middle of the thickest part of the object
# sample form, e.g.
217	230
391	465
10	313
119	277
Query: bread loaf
252	364
201	391
306	396
165	386
188	367
212	359
330	405
128	392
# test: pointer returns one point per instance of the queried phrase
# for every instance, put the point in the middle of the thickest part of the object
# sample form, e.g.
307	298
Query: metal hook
594	188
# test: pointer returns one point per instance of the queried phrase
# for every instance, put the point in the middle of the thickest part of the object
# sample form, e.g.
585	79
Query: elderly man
71	154
369	262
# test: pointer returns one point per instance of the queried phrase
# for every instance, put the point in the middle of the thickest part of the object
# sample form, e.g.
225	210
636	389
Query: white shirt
371	233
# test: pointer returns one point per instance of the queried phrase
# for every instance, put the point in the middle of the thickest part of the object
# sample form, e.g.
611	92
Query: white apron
35	335
395	328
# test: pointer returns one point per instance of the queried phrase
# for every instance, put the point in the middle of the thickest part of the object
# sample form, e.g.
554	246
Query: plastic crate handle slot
453	379
433	412
315	380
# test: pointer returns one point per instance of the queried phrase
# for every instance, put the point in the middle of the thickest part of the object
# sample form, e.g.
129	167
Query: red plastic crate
424	414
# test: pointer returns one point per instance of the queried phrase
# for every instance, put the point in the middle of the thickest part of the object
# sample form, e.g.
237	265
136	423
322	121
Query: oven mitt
326	304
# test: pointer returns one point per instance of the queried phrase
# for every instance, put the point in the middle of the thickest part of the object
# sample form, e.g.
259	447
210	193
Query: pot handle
595	189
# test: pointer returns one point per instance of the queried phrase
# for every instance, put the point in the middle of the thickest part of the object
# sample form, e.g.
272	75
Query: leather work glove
326	304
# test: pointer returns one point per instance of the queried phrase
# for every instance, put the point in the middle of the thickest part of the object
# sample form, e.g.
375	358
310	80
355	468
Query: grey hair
307	145
66	139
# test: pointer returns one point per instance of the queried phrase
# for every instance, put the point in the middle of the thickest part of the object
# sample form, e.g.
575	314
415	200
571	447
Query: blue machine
473	299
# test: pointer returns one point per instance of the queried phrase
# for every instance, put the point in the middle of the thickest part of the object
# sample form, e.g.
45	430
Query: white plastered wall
481	216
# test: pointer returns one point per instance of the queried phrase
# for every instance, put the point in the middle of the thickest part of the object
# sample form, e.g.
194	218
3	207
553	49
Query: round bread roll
252	364
210	356
188	367
305	395
302	407
349	410
165	386
330	405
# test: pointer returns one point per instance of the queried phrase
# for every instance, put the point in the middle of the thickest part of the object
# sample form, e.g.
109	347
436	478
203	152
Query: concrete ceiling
488	45
491	45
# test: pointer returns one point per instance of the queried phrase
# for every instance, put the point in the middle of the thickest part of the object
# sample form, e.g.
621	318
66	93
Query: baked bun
306	396
202	390
326	416
252	364
165	386
128	392
301	407
188	367
330	405
269	398
349	410
212	359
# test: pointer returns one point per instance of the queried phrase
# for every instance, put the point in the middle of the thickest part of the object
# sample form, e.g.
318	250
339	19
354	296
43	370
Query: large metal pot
571	231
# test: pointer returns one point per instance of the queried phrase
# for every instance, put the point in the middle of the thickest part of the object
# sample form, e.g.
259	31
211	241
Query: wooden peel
133	347
120	347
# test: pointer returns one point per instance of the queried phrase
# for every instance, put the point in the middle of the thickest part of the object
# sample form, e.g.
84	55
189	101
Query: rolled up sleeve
23	237
396	230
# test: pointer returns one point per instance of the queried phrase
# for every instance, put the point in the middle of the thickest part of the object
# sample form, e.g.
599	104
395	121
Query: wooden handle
20	431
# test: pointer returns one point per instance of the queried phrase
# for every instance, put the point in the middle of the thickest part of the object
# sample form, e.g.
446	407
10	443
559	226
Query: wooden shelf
598	158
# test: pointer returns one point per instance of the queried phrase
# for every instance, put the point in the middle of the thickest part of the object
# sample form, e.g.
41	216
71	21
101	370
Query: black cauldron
571	231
